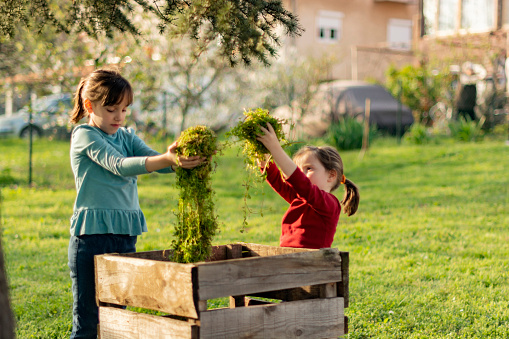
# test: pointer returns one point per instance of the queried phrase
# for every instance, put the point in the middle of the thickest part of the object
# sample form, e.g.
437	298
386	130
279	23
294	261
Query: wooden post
365	137
6	316
355	71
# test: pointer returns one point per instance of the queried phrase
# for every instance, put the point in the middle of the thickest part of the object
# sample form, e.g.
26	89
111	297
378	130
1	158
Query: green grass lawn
429	253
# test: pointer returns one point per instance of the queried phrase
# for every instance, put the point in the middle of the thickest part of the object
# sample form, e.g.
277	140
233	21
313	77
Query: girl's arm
321	201
270	140
87	141
170	158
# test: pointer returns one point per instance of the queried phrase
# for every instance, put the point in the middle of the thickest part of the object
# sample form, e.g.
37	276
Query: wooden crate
311	285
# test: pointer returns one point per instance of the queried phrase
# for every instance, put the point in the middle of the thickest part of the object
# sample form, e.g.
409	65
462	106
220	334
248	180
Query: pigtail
351	198
78	112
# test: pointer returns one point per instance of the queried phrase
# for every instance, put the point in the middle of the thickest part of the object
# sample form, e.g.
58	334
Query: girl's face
309	164
108	118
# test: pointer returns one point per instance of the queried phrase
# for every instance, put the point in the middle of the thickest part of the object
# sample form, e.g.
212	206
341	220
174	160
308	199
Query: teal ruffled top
105	170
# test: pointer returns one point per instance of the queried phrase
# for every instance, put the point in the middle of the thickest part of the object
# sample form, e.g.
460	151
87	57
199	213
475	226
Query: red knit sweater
312	218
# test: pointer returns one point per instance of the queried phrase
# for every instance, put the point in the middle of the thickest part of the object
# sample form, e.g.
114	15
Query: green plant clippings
246	132
197	222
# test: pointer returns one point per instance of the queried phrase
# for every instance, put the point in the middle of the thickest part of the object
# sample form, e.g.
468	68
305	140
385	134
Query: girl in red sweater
306	183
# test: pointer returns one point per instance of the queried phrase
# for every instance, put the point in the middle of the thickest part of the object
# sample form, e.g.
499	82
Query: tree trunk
6	318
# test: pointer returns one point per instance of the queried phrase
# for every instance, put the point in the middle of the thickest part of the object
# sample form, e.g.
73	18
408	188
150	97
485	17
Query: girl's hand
182	161
268	138
262	162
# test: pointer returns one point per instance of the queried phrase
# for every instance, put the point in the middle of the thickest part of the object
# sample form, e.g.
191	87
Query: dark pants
82	250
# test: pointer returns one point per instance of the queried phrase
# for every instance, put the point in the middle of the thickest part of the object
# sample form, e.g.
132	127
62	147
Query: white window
478	16
447	17
399	34
329	26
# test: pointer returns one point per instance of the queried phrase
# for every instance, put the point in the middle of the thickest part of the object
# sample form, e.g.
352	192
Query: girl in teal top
106	159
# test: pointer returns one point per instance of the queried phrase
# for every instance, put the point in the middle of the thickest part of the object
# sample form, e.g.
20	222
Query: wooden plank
155	285
291	294
301	293
237	301
329	290
233	251
257	250
316	318
259	274
253	302
343	285
218	253
121	324
164	255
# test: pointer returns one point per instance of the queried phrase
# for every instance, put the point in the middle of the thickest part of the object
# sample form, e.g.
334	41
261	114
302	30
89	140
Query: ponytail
351	198
105	86
331	160
78	112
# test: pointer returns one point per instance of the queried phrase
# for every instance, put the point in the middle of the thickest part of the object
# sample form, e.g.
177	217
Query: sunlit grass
428	246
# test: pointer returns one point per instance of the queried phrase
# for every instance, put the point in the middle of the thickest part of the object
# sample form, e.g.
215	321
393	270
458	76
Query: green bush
347	134
466	130
418	134
6	178
419	88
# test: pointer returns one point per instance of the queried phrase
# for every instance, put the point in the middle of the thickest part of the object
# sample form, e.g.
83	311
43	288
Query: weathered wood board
117	323
315	318
312	285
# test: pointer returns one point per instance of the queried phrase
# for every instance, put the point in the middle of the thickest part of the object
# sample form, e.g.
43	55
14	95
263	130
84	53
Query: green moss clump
248	130
197	222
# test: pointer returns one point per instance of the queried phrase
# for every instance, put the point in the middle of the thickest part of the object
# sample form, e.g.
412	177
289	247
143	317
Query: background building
365	35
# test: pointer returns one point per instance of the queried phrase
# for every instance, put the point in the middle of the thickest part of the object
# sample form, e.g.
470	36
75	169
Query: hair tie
343	180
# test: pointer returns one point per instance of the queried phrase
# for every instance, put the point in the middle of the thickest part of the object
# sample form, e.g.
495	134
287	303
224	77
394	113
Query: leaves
246	29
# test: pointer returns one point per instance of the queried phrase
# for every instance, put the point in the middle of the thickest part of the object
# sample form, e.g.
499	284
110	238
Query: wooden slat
343	285
164	255
121	324
329	290
155	285
234	251
253	302
257	250
260	274
301	293
291	294
218	253
237	301
316	318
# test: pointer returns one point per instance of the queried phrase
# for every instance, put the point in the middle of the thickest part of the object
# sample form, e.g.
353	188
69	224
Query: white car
50	113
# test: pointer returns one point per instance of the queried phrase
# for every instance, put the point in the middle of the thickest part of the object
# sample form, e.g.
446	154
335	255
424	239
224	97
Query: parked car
340	99
50	115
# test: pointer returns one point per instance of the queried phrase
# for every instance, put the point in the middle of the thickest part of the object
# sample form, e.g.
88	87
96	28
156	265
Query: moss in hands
197	222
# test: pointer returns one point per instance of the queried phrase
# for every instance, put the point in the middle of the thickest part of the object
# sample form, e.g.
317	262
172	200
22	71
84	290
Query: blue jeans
82	250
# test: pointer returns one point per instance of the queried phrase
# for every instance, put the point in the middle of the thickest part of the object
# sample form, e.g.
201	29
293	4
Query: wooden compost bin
274	292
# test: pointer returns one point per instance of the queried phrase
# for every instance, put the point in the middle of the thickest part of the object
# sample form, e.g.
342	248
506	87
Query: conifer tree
246	29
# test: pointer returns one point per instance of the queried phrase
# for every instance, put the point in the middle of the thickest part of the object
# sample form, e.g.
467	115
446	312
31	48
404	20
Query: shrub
347	134
418	134
419	88
466	130
6	178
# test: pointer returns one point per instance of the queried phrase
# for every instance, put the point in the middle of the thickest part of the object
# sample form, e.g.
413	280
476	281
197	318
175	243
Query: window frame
323	22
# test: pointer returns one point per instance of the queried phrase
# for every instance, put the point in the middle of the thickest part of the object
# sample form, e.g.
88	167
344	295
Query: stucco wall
365	23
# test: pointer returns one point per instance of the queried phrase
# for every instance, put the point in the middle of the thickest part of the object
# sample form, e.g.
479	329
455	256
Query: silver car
50	113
